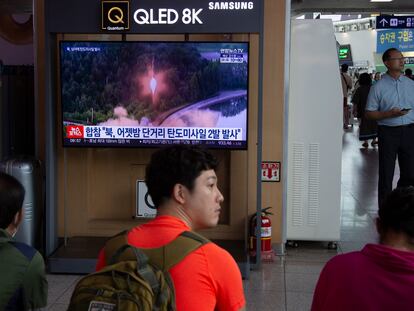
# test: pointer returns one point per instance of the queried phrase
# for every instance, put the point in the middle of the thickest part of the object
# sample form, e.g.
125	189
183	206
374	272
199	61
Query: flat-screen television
151	94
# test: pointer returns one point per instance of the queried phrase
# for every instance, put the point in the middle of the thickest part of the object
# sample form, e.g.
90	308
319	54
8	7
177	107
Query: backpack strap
164	257
114	244
169	255
117	249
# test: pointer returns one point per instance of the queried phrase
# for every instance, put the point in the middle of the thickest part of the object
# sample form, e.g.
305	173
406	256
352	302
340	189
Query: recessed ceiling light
382	0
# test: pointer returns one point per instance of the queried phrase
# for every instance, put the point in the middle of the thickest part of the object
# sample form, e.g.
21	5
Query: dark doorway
17	111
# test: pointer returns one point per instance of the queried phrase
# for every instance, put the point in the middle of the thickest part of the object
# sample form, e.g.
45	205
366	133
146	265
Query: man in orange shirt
183	186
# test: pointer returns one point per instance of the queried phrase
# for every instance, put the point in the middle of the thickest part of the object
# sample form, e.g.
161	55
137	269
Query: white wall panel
314	133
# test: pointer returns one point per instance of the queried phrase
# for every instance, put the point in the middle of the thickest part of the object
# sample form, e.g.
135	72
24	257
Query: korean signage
79	135
394	22
271	171
409	60
401	39
180	133
344	53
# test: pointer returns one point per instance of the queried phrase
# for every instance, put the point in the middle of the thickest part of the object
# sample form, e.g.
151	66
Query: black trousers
395	143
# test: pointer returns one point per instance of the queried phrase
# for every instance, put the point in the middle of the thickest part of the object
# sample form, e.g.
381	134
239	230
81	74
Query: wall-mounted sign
144	204
115	15
409	60
344	54
386	22
401	39
271	171
154	16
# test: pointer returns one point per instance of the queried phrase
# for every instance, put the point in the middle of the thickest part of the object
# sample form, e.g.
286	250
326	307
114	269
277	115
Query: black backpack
135	278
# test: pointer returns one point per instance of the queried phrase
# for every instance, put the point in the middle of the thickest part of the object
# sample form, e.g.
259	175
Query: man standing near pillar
391	103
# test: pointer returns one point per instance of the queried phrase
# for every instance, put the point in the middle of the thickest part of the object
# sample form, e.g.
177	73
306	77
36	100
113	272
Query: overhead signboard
409	61
154	16
401	39
394	22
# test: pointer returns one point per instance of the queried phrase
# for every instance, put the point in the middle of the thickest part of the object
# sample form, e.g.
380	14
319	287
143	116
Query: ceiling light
382	0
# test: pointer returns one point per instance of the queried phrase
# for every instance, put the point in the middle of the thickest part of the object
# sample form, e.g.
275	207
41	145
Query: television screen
150	94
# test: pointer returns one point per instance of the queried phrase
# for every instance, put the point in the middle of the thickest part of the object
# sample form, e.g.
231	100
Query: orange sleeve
209	279
101	263
226	278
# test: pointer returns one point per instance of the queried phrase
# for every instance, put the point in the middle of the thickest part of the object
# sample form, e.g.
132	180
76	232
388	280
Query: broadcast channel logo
74	131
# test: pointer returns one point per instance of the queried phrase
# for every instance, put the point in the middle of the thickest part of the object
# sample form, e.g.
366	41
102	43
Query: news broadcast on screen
151	94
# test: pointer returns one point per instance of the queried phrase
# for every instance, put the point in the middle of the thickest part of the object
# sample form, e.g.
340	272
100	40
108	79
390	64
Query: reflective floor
289	282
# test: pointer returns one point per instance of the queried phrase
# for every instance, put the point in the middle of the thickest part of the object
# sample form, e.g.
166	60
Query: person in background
367	128
182	183
409	73
356	78
377	77
346	81
355	81
380	277
391	103
23	283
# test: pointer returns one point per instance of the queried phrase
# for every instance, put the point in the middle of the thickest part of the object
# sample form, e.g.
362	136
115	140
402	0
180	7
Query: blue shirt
390	93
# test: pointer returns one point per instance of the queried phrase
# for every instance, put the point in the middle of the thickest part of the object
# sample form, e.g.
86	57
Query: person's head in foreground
395	222
381	276
182	182
11	202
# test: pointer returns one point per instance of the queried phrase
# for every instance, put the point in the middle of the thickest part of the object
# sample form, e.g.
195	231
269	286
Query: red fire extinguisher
266	232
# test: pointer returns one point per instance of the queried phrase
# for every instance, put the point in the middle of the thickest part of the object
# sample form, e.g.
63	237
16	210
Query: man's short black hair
176	165
365	79
11	199
344	67
408	72
397	212
387	54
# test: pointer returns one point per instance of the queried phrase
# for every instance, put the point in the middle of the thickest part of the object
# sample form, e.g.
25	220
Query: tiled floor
288	283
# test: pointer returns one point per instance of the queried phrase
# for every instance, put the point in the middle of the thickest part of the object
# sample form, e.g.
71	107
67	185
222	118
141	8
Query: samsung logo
230	5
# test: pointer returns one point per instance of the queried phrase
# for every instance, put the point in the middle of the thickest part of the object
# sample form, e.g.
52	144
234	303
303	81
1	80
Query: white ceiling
349	6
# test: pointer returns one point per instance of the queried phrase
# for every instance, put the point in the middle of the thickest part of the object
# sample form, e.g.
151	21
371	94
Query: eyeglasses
397	58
